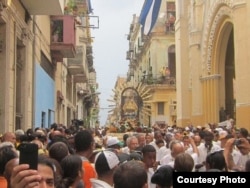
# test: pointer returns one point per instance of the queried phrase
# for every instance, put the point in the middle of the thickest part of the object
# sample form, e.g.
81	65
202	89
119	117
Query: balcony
80	78
75	65
63	37
44	7
158	80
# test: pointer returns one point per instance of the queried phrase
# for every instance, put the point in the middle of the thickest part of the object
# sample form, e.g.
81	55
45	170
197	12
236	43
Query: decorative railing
158	79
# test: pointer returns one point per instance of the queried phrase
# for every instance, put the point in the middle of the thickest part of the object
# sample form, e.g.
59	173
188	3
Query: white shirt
125	150
203	151
96	183
157	149
167	160
163	151
242	161
150	173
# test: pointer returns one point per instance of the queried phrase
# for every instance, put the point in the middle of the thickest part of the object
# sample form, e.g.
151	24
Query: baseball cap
105	161
112	141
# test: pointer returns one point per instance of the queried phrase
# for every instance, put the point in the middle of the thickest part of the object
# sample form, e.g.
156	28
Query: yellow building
152	67
211	61
39	85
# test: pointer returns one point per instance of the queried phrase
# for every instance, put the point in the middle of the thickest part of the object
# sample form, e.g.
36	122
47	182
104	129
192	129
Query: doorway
230	78
225	62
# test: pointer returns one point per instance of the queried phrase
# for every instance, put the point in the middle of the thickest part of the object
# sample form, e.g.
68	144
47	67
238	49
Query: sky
110	45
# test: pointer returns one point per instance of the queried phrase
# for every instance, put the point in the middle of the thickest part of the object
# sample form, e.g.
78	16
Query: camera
237	142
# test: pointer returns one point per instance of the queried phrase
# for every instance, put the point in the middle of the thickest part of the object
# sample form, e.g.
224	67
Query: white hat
112	141
105	161
218	129
222	134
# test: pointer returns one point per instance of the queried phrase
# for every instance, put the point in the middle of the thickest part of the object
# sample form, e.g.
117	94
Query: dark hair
61	138
54	126
135	155
216	160
244	132
184	163
29	132
147	149
124	137
163	176
6	153
58	151
71	165
208	134
49	162
102	164
131	174
83	140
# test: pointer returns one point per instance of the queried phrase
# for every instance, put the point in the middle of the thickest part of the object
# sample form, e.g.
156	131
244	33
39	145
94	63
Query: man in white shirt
244	148
132	145
105	164
206	148
157	137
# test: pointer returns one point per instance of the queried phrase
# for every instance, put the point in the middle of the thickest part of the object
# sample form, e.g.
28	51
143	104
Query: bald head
176	148
9	137
197	140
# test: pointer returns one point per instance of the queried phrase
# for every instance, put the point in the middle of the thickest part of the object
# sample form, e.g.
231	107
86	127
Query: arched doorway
230	77
225	62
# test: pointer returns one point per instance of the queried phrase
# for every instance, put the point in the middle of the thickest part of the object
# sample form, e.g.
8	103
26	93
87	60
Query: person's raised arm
23	177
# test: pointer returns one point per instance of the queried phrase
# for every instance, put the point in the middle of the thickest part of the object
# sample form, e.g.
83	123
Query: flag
90	9
149	15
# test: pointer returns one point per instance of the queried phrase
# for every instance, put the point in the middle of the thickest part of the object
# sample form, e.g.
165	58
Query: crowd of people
92	158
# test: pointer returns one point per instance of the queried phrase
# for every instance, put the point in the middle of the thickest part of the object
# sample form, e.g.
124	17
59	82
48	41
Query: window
160	107
43	119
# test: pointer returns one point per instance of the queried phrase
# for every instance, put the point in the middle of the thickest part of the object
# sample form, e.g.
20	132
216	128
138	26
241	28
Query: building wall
202	34
166	96
16	73
44	97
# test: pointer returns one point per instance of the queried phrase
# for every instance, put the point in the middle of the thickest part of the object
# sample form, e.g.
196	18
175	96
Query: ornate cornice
23	31
219	10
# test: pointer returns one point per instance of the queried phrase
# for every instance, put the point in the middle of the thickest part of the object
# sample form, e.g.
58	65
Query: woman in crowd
72	172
